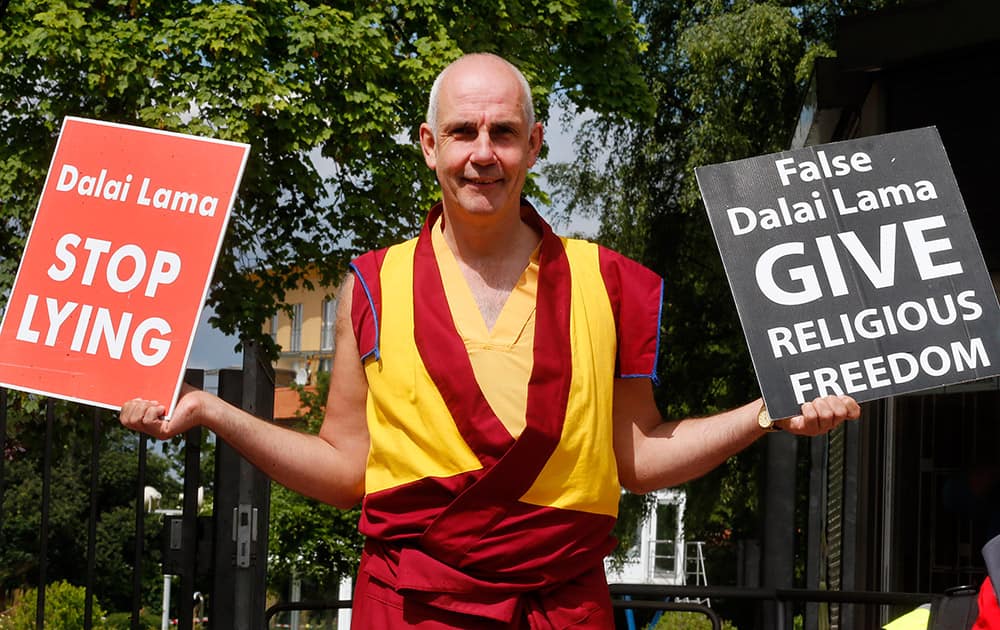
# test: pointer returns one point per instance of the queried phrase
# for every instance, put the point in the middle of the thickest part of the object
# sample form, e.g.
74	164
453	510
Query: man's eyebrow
505	125
499	125
453	125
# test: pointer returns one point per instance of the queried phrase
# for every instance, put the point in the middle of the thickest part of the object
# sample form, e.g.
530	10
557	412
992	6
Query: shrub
123	621
64	609
675	620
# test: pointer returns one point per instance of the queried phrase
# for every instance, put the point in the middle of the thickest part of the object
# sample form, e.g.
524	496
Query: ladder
694	569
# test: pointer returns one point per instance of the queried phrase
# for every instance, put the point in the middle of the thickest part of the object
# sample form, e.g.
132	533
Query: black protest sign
854	268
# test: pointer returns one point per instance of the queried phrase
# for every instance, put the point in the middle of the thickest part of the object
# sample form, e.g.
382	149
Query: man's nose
482	148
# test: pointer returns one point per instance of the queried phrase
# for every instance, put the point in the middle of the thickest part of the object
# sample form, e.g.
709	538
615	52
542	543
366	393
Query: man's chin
480	204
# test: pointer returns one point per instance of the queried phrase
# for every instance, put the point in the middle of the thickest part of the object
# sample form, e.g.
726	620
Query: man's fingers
824	414
142	415
853	408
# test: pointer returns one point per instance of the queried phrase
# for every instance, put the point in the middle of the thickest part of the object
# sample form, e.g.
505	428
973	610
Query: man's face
482	147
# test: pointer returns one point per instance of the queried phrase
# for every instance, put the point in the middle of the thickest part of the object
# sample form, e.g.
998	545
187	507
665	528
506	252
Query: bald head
487	61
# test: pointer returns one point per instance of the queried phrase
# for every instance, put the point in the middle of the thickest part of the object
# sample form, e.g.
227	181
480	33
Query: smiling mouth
483	181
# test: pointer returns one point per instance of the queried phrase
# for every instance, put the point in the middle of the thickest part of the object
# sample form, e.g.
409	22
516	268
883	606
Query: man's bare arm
654	454
329	466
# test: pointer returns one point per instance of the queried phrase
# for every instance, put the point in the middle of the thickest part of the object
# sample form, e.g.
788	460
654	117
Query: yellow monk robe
515	484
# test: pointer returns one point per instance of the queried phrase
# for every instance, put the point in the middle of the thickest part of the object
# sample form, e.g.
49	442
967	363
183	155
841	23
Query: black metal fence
947	612
230	548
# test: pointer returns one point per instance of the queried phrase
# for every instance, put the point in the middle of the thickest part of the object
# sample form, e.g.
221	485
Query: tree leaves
329	97
69	507
727	77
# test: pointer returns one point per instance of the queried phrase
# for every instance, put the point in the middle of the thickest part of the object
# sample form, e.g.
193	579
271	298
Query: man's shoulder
375	257
611	261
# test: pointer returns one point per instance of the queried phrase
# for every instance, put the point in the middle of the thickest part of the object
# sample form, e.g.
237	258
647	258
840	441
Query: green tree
311	540
728	78
64	608
686	621
304	83
69	509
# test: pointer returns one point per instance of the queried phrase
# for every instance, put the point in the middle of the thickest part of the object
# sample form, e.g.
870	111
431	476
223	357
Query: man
490	390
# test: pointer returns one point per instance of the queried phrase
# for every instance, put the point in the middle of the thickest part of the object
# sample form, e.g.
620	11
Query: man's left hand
822	415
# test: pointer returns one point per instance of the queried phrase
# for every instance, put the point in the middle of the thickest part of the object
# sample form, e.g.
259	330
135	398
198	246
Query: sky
213	350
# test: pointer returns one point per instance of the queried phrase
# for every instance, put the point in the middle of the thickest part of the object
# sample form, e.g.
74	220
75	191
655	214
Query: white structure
346	592
661	555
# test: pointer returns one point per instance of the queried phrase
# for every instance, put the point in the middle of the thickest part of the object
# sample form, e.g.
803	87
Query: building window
274	328
295	343
329	317
665	559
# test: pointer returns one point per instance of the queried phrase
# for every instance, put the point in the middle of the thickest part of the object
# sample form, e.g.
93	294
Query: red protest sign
118	262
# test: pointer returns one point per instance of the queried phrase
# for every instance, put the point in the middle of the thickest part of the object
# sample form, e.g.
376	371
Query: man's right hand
146	416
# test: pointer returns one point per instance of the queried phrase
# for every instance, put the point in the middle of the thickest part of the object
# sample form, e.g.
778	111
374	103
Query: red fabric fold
580	602
989	610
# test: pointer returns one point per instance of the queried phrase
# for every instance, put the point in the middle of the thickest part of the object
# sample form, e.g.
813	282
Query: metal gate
228	550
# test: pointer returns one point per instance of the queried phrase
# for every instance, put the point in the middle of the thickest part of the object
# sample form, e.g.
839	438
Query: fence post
3	456
242	501
95	448
43	551
778	518
140	530
189	518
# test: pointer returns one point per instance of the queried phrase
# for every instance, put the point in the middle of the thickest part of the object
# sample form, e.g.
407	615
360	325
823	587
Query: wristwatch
765	421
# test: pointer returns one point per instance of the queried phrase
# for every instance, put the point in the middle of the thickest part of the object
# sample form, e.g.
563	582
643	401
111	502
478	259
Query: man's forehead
482	86
480	111
473	106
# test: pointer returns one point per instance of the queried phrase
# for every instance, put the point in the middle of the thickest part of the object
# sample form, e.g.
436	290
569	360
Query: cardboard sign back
118	262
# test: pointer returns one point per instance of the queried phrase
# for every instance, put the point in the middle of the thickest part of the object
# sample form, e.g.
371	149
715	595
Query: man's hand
822	415
146	416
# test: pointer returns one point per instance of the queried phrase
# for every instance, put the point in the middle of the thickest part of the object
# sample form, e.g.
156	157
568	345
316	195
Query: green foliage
123	621
69	510
632	511
673	620
728	78
64	609
330	98
316	541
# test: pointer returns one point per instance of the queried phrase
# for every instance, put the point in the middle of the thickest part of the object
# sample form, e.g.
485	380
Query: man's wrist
765	421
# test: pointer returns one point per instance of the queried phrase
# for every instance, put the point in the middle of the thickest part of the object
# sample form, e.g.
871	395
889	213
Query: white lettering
810	290
24	331
159	345
67	178
923	248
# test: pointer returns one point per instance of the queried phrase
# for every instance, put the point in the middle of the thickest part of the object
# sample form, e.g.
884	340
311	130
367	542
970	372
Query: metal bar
661	591
817	521
3	456
851	568
43	551
241	507
140	531
189	520
258	400
223	603
95	449
654	596
777	519
889	466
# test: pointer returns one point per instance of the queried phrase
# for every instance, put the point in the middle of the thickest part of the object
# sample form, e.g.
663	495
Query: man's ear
428	144
535	143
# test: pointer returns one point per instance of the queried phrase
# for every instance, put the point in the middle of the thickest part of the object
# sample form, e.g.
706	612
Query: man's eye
503	133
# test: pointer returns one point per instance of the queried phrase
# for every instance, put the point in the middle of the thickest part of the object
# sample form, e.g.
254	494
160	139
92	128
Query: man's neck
492	257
